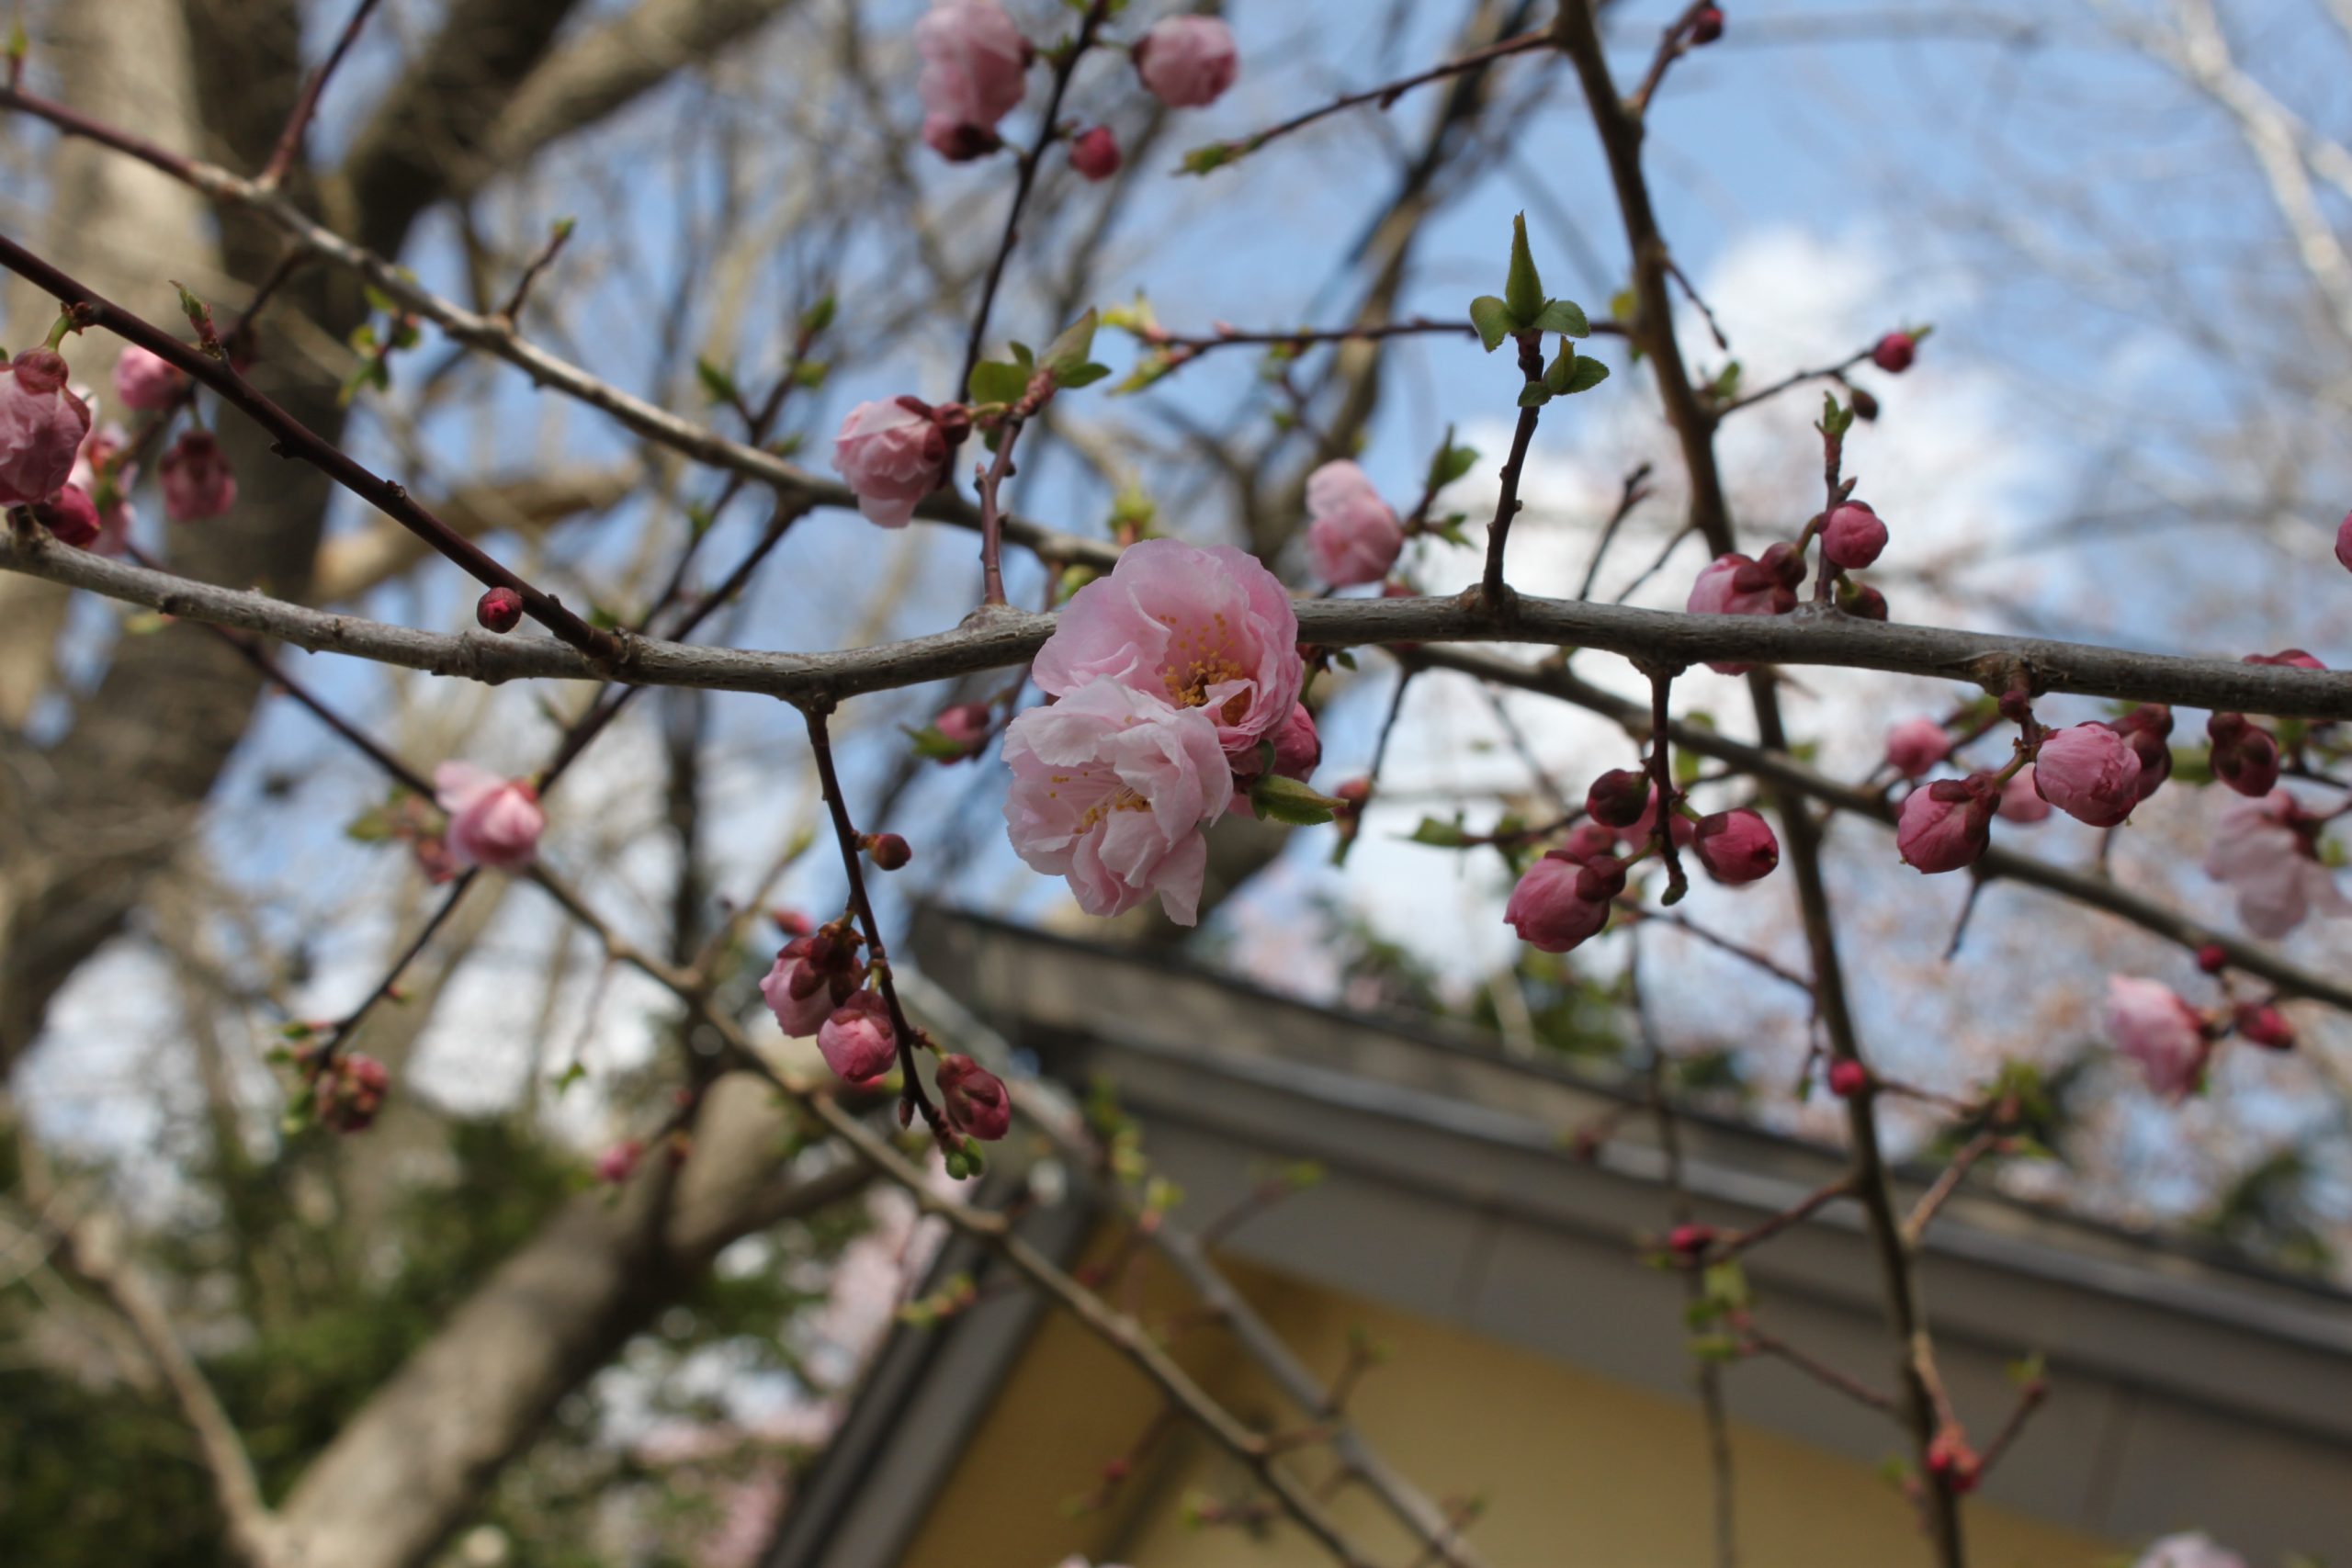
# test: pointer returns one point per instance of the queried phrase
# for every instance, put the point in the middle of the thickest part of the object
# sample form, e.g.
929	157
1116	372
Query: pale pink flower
108	485
1188	61
493	821
1202	628
975	69
1916	745
2194	1550
197	482
2149	1022
2020	802
890	454
856	1039
2091	772
1354	536
2261	851
41	426
1111	788
146	381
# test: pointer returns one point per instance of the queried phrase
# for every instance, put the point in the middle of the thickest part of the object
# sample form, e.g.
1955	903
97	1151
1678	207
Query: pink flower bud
2147	729
2213	958
1587	840
42	427
72	516
801	995
1736	846
1853	536
974	1098
1095	153
1298	748
890	454
493	821
1548	911
1916	745
1950	1461
2292	657
1188	62
197	482
889	852
2088	773
856	1039
103	475
146	381
1848	1078
2344	541
1602	878
619	1163
1946	825
2244	756
1690	1241
2261	1024
1707	26
1892	353
1618	798
974	73
2020	802
966	727
348	1093
1860	600
1354	536
499	610
2153	1026
1734	585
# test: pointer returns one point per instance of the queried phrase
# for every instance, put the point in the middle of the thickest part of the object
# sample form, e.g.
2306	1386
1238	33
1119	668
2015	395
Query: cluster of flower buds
1734	584
2172	1042
2096	772
815	972
347	1091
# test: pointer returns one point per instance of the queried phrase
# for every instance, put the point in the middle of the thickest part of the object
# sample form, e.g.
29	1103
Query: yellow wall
1577	1471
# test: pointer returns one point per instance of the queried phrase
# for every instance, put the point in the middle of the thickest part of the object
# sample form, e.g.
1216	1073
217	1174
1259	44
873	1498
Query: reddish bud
1848	1078
972	1099
2263	1024
1587	840
791	922
889	852
1865	406
1095	153
2244	756
1690	1241
1853	536
967	726
1549	908
1707	26
71	515
1618	798
2212	959
2089	773
1893	352
2344	541
1950	1461
2292	658
499	610
617	1164
1916	745
1860	600
197	480
1736	847
1948	824
1602	878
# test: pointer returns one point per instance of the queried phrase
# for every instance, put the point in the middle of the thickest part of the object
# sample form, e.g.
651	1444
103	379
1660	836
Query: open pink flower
975	66
1948	824
41	426
890	454
197	482
493	821
2266	850
856	1039
2091	772
146	381
1200	628
1354	536
1916	745
2151	1024
1111	788
1188	62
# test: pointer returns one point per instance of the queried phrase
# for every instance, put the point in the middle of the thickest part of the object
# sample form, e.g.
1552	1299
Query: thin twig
289	140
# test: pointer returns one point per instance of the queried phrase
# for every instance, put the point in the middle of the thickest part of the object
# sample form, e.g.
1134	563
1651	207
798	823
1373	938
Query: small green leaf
1023	357
1585	375
1534	395
1493	320
1451	463
716	382
1564	317
994	381
930	745
1215	155
1562	365
1279	799
810	373
1443	835
817	317
1524	290
1080	375
1068	351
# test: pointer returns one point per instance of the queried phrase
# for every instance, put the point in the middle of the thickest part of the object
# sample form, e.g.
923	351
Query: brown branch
1387	92
289	140
1754	1342
1493	591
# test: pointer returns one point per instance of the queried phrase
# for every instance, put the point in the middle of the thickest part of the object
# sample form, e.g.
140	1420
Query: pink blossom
2147	729
1298	748
2264	850
974	1098
1853	536
2243	755
2344	541
1587	840
1892	353
197	480
42	427
108	482
1095	153
1681	827
974	73
1202	628
856	1039
2191	1550
2089	773
71	515
2292	657
2020	802
493	821
1553	908
2153	1026
1734	584
1916	745
1736	846
1188	62
1354	535
1111	788
1946	825
146	381
890	454
800	993
619	1163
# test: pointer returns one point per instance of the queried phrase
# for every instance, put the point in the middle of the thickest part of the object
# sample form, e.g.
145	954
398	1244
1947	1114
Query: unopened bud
1618	798
889	852
499	610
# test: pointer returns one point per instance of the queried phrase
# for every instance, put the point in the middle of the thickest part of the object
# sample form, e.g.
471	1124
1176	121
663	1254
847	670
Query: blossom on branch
2089	773
1188	62
493	821
146	381
2149	1022
2267	851
42	427
1354	536
975	68
892	453
198	482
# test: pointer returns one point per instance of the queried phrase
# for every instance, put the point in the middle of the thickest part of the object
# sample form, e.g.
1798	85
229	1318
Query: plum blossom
1853	536
1111	787
974	1098
108	482
2020	801
1947	825
1736	846
1188	62
1207	628
1561	902
1733	584
2264	850
802	992
2091	772
71	517
1354	536
1916	745
146	381
2149	1022
974	73
493	821
42	427
197	482
890	454
1094	152
856	1039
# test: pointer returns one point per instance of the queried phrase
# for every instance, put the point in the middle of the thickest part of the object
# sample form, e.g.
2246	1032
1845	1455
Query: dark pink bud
2089	773
1946	825
967	726
619	1163
791	922
2244	756
349	1092
1781	559
2147	729
2292	658
2212	958
1950	1461
1736	846
1853	536
1587	840
197	480
2344	541
974	1098
1602	878
1095	153
1298	748
856	1039
1865	406
71	515
1618	798
1848	1078
1548	910
1707	26
1892	353
1860	600
2263	1024
889	852
499	610
1690	1241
